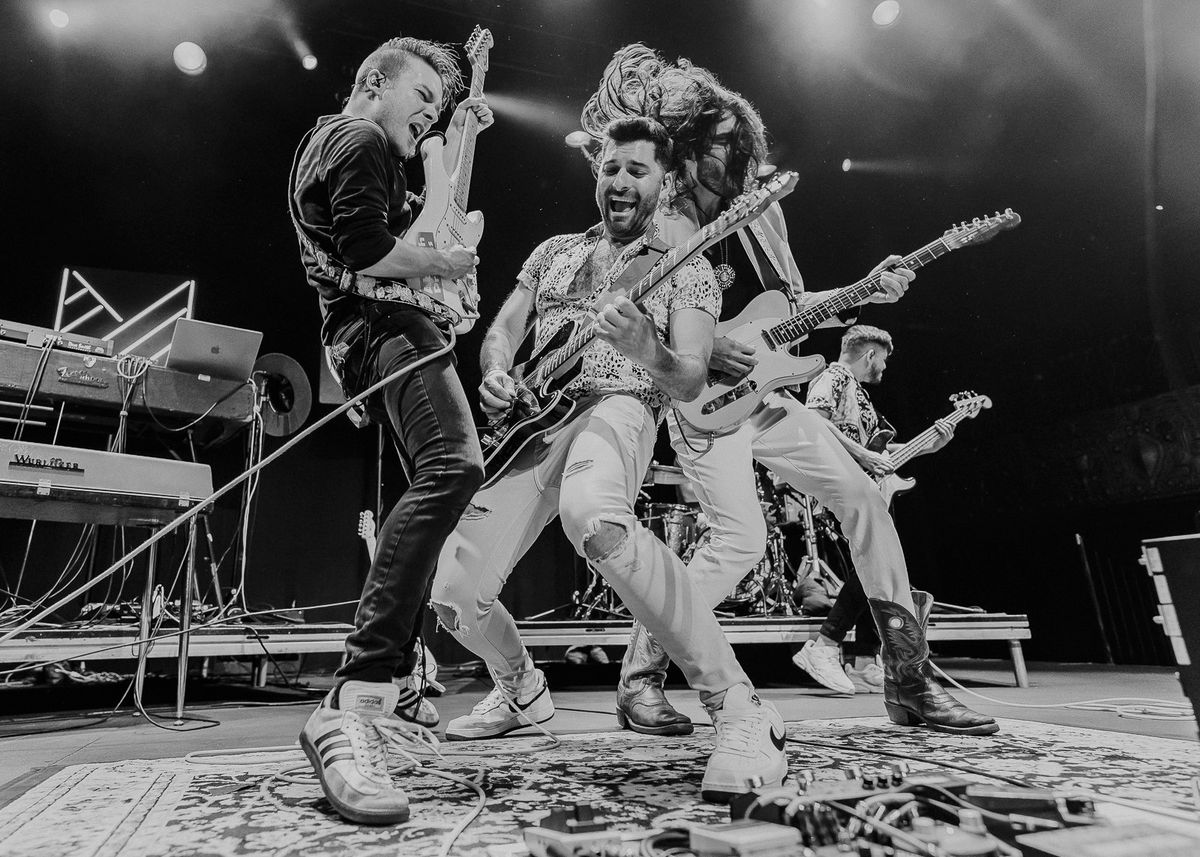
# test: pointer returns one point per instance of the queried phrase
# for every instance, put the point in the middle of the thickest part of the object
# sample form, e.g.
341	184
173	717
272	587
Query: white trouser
799	446
589	473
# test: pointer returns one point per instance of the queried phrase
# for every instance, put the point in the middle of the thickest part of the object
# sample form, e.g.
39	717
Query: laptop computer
216	350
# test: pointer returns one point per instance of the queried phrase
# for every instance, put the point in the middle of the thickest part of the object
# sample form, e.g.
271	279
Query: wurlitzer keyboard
87	486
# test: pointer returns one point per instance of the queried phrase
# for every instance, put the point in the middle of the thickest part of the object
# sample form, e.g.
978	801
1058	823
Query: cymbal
663	474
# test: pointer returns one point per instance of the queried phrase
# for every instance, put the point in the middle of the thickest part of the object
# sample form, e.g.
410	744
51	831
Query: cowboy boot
641	704
911	695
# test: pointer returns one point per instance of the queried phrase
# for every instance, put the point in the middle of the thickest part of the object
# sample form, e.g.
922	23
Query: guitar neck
794	329
925	439
466	156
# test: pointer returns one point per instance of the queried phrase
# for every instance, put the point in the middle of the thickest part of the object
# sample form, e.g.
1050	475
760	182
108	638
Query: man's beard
636	225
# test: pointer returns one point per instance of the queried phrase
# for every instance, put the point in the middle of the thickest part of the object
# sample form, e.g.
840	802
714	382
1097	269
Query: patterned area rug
178	807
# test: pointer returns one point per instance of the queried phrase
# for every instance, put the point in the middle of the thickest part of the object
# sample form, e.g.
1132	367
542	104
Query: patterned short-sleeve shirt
550	273
850	409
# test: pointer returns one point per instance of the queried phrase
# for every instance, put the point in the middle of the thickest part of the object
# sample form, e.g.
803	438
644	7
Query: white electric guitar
366	531
967	405
768	326
444	220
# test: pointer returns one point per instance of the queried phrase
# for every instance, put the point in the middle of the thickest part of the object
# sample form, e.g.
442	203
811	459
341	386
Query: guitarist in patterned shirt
838	395
588	472
720	140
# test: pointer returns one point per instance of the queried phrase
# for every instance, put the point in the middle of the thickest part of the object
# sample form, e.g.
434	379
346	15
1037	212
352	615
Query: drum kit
799	531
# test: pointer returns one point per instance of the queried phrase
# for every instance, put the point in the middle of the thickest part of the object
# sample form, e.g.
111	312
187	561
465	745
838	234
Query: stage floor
86	757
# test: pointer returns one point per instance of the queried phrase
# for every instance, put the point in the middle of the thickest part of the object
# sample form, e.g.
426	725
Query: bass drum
748	595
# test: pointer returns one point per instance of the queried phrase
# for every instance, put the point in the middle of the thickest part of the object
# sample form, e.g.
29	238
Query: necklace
723	271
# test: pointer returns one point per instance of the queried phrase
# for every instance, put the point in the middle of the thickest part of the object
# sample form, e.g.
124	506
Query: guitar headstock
751	204
969	403
980	229
478	46
366	524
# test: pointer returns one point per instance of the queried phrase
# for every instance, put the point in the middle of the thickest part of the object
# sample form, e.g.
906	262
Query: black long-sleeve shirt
351	199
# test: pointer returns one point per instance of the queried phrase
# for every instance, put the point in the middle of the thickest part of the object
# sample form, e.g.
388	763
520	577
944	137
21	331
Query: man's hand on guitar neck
458	122
892	283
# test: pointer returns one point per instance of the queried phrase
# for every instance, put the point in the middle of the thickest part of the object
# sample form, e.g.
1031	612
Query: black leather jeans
851	610
431	424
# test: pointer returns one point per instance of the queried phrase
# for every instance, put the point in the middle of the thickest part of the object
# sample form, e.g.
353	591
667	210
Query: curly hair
687	99
395	54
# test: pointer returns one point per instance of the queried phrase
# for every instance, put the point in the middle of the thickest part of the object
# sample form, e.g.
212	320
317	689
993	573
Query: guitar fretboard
466	158
802	323
926	439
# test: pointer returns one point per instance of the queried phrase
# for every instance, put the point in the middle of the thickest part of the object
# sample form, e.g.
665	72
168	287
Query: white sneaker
824	664
867	680
495	715
412	704
749	754
350	755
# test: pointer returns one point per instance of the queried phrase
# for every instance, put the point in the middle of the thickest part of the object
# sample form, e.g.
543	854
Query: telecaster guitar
541	405
444	220
967	405
768	326
366	531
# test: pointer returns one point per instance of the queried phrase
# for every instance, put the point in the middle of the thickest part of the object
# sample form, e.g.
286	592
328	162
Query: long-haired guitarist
350	202
838	394
588	471
721	143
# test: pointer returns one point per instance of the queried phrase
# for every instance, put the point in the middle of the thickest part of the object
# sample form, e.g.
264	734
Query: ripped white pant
588	473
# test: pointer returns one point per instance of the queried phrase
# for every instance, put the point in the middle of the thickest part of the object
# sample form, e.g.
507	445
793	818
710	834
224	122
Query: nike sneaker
498	714
750	747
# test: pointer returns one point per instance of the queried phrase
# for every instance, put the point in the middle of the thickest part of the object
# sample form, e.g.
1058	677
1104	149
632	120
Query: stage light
1158	208
886	13
59	18
846	165
308	61
190	58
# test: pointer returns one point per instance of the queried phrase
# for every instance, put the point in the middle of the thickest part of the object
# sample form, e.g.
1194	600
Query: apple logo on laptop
216	349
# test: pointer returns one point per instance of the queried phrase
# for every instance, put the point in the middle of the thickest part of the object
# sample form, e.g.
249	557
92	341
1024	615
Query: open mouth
416	130
620	206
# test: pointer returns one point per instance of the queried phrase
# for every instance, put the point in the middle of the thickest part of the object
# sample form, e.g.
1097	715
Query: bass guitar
967	405
541	405
768	326
444	220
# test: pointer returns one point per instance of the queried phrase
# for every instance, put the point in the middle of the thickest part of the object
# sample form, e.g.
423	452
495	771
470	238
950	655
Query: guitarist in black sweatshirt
721	142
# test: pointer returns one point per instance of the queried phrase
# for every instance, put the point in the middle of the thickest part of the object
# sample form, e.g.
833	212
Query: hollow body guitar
768	325
444	220
967	405
541	405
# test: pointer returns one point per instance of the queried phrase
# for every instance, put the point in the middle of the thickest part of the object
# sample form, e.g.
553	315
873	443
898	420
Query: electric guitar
768	326
967	405
444	220
540	405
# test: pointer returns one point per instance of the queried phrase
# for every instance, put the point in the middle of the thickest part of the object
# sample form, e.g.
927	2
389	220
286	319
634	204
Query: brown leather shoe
911	694
641	703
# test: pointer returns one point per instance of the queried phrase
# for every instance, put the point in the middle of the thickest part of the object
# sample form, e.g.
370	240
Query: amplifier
1174	565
